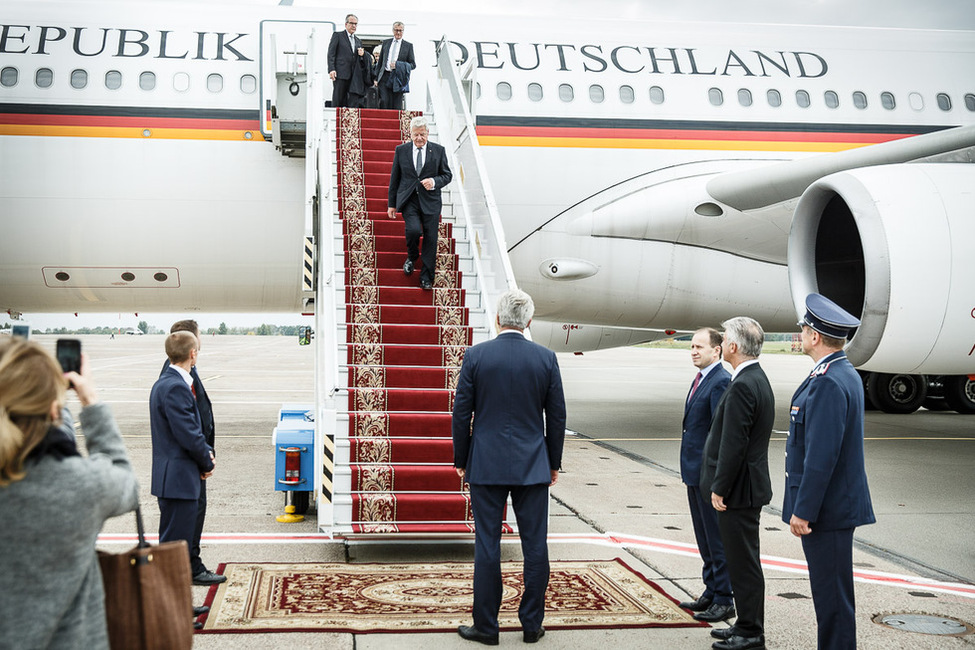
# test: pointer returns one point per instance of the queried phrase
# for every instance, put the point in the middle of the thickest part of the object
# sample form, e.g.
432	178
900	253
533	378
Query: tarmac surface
619	496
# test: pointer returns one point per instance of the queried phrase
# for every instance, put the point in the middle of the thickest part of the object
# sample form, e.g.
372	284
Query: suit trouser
177	520
427	225
340	92
739	534
387	97
531	510
829	555
196	564
717	584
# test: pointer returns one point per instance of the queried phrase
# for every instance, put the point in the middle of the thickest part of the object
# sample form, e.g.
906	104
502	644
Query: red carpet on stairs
405	346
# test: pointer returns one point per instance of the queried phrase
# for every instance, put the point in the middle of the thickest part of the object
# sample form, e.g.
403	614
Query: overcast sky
930	14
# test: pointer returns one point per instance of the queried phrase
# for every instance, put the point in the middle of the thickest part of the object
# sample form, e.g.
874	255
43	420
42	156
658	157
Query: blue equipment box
290	436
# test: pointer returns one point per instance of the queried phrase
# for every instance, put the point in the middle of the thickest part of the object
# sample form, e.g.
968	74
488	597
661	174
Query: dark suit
736	468
206	419
343	60
698	412
507	384
388	97
180	454
826	484
420	207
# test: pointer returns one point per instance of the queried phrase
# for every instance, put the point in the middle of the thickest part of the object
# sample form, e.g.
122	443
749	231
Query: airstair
388	353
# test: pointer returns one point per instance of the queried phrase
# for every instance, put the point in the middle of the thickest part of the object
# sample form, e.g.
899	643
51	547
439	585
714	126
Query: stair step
406	315
399	425
387	450
406	355
406	377
405	478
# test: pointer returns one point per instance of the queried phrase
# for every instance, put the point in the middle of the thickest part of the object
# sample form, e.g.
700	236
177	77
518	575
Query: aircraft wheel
897	393
960	393
868	404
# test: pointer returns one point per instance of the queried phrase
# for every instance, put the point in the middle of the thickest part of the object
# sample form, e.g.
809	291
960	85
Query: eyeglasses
350	22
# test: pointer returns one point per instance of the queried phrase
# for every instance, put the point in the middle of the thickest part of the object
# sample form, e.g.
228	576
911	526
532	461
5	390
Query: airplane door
284	51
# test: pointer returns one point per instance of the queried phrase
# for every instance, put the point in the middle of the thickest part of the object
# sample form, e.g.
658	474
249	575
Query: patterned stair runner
405	347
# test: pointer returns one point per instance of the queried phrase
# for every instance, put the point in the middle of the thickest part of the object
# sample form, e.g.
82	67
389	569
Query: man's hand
555	476
428	183
799	527
391	213
718	502
332	75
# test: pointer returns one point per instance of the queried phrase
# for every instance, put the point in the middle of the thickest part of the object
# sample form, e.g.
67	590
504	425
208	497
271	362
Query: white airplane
648	174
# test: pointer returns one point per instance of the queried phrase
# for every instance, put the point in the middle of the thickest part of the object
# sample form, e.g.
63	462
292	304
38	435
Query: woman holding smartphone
53	503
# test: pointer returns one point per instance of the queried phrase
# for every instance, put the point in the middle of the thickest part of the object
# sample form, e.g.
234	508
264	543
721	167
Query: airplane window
744	97
44	77
566	94
596	94
887	100
970	102
113	79
248	84
147	80
944	102
774	98
181	82
627	95
802	98
916	101
656	95
477	87
859	100
535	92
504	91
8	77
79	79
716	97
832	99
214	83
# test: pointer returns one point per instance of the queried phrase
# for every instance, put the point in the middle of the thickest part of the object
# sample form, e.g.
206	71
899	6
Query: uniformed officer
826	494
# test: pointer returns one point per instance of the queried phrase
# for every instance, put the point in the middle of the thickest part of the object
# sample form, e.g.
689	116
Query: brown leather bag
148	595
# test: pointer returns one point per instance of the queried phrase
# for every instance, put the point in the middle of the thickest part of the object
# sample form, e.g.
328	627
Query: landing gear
960	393
897	393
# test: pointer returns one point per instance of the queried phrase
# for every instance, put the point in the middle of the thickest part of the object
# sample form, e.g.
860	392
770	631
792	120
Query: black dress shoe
723	632
207	578
715	613
698	605
426	285
200	611
197	625
735	642
533	636
408	267
470	633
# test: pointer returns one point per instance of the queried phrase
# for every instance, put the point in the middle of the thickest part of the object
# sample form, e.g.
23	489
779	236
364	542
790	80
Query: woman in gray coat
53	503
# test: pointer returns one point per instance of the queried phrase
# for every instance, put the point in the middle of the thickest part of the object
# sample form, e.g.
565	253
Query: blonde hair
30	381
179	345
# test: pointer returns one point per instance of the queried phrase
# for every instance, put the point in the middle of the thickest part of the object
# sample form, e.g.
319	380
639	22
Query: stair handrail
455	123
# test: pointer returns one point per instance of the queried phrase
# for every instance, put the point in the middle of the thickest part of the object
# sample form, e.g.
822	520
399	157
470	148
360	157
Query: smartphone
69	354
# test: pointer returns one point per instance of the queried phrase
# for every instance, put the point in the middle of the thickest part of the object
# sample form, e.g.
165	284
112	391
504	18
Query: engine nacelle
895	246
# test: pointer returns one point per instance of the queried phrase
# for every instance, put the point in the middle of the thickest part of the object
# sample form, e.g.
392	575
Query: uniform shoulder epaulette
820	369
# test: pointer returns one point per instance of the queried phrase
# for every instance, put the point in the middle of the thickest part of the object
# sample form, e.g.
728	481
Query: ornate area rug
363	598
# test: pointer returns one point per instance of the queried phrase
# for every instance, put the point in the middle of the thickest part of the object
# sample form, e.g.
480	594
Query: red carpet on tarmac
431	597
405	346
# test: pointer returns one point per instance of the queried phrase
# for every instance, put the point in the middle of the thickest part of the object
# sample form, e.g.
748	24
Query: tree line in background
264	329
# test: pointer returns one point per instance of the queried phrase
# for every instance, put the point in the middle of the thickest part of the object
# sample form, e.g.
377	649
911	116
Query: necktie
697	382
193	390
393	54
352	42
419	161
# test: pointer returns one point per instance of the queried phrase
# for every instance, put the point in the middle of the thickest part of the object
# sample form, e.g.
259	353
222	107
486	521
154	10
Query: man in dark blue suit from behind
826	494
201	575
512	389
181	456
716	603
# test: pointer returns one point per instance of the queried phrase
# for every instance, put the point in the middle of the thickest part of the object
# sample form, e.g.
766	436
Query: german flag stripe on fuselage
507	131
129	122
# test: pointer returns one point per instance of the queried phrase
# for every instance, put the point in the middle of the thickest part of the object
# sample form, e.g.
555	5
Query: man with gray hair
512	389
419	172
396	62
735	473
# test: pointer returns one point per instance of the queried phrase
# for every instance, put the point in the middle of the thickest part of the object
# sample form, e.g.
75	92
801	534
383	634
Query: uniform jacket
506	385
698	412
403	180
736	450
180	453
825	477
342	57
202	403
405	56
